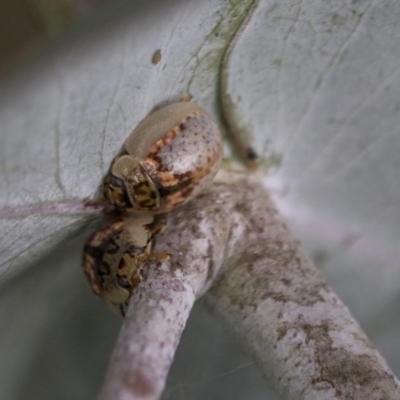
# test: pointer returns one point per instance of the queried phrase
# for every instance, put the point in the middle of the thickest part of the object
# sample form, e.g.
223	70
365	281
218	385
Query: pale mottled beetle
170	157
115	255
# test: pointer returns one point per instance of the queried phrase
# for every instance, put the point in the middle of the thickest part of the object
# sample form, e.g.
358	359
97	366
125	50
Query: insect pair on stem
171	157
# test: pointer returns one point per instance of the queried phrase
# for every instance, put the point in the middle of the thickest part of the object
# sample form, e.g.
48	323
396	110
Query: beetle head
128	186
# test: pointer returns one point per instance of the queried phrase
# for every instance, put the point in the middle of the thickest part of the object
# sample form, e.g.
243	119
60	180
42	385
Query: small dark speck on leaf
156	57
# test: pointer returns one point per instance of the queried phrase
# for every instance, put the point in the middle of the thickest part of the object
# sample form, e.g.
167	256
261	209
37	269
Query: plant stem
267	290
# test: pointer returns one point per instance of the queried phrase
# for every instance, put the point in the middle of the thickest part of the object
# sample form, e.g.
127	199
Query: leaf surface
313	86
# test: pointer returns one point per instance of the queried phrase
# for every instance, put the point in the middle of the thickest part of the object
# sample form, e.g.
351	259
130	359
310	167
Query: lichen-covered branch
268	291
159	308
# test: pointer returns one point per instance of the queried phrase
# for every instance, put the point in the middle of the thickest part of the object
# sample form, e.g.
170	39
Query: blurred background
26	24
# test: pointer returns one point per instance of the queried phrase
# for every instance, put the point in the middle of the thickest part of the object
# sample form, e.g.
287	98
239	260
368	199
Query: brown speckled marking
200	178
163	142
145	196
94	254
198	143
139	384
114	188
114	262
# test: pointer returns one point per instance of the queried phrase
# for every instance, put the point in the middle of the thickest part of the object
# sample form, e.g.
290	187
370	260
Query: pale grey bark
264	286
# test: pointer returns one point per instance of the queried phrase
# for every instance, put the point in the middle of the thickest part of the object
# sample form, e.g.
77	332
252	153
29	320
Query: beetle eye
116	182
135	250
122	282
